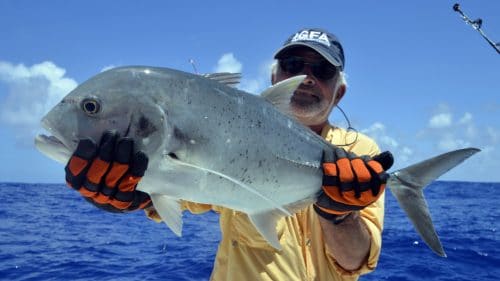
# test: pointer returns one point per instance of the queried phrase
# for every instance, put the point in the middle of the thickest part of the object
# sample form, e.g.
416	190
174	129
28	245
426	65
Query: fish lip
54	138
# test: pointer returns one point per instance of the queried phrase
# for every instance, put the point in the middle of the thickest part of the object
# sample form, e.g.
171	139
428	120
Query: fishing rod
476	24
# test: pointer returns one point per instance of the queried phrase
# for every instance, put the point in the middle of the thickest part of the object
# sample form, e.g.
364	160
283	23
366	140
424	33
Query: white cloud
462	133
254	85
451	142
378	132
449	134
31	92
440	120
493	135
257	84
228	63
466	119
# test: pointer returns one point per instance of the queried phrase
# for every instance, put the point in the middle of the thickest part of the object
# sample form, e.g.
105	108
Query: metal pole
476	24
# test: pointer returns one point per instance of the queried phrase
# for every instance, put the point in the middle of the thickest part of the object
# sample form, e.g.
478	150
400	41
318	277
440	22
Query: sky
420	81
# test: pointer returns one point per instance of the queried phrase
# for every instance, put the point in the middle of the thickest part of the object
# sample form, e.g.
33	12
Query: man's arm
352	186
349	241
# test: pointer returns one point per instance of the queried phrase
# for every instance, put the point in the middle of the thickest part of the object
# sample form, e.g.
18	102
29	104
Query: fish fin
280	93
227	78
170	212
407	186
265	223
272	204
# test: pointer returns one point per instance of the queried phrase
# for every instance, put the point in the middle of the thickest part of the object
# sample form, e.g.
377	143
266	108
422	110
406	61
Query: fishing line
349	129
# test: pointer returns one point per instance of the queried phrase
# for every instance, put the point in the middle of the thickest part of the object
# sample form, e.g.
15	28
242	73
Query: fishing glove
107	175
350	182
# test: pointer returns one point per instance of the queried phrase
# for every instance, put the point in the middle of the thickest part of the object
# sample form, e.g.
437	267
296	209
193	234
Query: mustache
305	87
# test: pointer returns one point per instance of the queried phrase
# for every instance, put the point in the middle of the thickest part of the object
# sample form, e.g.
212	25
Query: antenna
476	24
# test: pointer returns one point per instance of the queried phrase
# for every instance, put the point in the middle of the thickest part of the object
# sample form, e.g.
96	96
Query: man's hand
350	182
107	175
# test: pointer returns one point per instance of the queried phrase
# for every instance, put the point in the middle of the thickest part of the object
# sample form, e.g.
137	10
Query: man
337	238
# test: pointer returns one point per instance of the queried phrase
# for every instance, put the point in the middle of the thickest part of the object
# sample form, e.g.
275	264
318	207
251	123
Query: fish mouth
50	140
53	145
54	138
53	148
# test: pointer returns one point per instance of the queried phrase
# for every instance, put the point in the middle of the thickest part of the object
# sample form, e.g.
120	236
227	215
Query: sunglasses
322	70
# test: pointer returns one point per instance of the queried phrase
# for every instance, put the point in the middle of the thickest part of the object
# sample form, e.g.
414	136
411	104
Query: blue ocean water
47	232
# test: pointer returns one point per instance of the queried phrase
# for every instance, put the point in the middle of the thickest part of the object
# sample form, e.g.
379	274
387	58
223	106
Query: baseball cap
322	41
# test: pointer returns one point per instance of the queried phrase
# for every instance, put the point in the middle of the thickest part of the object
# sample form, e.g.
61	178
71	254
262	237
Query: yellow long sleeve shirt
244	255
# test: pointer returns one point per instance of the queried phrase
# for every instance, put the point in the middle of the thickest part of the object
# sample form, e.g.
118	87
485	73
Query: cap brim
321	49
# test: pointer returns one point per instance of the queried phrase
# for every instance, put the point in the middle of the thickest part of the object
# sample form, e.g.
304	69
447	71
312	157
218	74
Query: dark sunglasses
322	70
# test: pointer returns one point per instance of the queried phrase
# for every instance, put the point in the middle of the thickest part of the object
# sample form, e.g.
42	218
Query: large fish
210	143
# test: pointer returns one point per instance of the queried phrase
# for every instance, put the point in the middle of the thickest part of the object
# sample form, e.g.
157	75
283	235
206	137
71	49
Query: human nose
310	78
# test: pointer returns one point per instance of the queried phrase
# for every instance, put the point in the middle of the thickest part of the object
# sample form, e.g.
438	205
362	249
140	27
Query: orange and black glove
107	175
350	182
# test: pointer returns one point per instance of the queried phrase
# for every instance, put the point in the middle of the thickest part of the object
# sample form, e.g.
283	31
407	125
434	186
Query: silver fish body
210	143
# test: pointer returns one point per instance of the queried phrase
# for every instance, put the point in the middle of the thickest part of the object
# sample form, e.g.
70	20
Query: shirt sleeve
194	208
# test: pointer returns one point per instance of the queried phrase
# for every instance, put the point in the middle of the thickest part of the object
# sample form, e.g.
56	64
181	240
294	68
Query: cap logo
312	35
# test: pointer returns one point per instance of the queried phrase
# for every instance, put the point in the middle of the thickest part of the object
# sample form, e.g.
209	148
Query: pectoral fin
265	223
170	212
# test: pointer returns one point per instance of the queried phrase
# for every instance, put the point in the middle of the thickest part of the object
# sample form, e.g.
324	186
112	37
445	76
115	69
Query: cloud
228	63
30	93
254	85
493	135
451	134
440	120
466	119
450	142
378	132
257	84
461	133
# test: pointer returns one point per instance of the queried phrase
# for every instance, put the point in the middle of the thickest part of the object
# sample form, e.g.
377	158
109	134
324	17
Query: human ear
340	94
273	78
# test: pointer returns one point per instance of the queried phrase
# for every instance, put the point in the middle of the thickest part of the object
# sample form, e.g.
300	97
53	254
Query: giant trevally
211	143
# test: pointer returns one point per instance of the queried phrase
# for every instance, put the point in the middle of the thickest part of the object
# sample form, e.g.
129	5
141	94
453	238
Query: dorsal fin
227	78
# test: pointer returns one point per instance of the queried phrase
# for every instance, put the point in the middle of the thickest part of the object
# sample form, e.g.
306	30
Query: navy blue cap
322	41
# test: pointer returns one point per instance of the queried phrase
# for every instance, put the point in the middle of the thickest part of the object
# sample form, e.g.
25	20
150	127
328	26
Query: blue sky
421	82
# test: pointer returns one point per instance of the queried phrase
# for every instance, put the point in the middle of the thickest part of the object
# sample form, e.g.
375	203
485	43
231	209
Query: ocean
48	232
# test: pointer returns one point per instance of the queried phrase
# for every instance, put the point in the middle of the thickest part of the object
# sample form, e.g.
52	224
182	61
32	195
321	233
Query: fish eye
91	106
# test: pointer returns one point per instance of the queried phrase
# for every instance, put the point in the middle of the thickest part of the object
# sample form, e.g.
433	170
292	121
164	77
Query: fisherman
337	238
